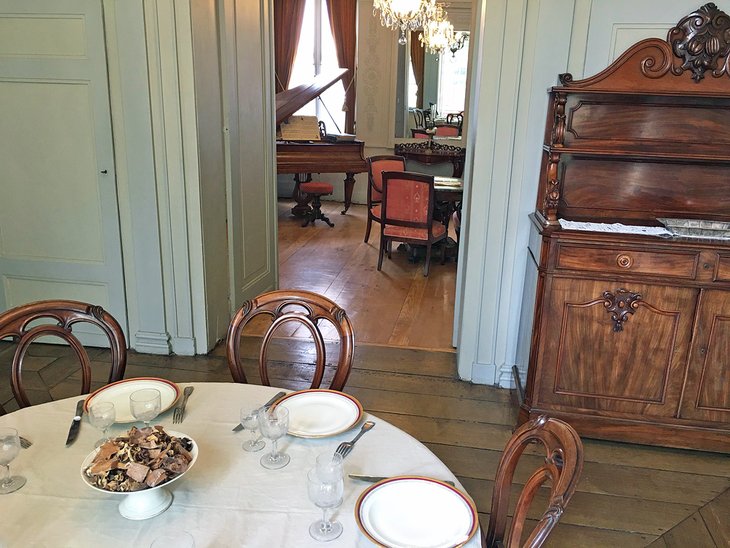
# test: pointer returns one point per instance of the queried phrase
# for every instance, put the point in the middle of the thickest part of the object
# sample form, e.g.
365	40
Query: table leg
349	185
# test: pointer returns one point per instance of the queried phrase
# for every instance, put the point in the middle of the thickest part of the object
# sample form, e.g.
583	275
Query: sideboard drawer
621	260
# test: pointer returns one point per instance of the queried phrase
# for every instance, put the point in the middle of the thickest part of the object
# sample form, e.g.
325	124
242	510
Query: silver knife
376	479
76	424
268	404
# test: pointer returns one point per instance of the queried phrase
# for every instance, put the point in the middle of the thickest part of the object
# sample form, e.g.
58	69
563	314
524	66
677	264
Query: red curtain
343	22
418	58
288	16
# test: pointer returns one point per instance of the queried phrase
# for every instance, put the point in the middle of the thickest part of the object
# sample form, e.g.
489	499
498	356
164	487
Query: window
316	53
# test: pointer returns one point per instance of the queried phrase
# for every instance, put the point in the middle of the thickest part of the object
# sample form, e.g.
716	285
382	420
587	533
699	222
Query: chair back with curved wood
24	324
447	130
376	166
407	214
418	118
562	468
293	306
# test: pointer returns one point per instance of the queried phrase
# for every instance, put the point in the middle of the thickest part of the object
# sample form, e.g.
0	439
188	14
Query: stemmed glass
9	449
326	487
145	404
274	424
102	415
250	422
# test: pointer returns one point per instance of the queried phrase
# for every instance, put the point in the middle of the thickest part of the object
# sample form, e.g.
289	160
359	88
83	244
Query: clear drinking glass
102	415
329	466
274	424
250	422
145	404
326	492
9	449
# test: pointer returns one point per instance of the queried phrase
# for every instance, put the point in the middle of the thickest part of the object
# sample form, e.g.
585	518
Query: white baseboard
183	346
150	342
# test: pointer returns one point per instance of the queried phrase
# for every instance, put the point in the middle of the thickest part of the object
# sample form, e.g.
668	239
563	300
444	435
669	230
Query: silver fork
25	442
346	446
179	413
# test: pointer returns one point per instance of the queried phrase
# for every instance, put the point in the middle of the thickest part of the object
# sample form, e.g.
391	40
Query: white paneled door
59	223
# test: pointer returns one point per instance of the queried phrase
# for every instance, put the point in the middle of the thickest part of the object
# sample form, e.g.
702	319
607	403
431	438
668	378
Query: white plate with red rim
118	393
320	413
416	512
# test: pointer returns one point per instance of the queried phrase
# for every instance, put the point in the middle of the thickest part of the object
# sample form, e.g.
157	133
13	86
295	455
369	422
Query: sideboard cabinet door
618	349
707	391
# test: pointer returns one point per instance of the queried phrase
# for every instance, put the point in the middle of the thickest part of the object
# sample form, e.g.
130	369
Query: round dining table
226	499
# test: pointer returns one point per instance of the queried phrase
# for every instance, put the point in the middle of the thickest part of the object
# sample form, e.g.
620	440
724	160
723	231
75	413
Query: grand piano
302	158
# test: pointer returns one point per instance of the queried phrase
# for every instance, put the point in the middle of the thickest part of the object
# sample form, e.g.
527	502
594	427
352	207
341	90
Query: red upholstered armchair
407	213
376	166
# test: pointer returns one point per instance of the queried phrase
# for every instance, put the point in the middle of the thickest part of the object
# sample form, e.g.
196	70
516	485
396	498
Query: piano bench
315	189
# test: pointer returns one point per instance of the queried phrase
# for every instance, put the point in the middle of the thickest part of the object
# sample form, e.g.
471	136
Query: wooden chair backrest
376	166
562	467
305	308
60	318
408	199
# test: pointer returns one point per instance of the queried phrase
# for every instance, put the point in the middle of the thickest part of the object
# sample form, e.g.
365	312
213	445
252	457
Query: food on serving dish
142	459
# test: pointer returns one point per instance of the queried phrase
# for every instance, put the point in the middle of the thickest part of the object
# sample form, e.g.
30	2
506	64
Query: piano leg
302	199
349	185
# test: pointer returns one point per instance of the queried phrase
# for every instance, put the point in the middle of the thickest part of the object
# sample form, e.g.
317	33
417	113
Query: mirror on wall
442	97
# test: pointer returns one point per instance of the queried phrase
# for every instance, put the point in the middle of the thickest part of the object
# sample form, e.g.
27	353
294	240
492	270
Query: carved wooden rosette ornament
620	304
702	41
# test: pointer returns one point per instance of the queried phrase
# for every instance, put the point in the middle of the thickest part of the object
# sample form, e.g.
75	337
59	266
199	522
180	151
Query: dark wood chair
293	306
562	468
457	119
24	324
376	166
407	214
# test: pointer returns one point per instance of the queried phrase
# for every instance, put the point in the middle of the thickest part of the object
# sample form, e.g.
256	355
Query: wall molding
148	342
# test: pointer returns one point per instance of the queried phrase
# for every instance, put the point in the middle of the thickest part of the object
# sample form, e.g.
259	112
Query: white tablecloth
226	499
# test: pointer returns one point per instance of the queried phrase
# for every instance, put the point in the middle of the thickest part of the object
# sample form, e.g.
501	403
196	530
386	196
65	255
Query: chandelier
404	15
458	43
438	32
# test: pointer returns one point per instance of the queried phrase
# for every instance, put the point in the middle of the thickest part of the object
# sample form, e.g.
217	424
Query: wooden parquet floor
397	306
628	496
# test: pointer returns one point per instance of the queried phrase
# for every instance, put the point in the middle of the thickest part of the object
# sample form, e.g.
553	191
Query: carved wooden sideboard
631	336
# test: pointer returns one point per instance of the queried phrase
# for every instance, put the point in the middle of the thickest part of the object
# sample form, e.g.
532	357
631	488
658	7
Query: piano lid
291	100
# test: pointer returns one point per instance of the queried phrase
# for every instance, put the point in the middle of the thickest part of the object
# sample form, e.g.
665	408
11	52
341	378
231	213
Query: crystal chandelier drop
438	32
404	15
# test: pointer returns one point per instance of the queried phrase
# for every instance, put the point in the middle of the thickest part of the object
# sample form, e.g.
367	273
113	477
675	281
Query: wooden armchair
24	324
407	214
293	306
376	166
562	467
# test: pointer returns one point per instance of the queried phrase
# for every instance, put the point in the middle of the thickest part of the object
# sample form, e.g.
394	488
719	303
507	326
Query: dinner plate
320	413
118	393
416	512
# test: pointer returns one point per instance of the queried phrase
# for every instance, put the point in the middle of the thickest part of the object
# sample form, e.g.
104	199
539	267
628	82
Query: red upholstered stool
316	189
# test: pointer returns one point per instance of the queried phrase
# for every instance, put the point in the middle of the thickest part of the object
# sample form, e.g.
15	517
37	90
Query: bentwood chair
57	318
302	308
562	468
407	214
447	130
418	118
376	166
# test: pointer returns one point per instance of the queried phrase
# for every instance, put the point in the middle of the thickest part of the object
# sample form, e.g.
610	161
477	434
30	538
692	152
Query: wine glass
274	424
9	449
325	490
145	404
102	415
329	466
250	422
